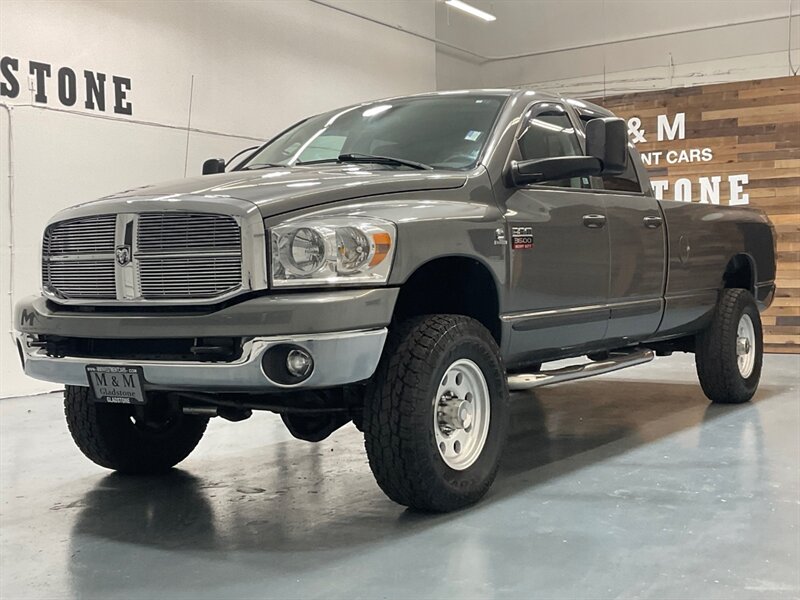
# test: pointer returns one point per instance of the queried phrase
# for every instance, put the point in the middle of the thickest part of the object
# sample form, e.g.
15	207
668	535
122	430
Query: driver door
558	246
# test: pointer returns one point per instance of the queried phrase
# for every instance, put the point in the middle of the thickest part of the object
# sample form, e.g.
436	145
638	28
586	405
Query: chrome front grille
145	256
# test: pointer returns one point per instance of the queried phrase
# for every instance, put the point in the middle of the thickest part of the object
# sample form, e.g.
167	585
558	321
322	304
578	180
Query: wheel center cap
742	346
455	413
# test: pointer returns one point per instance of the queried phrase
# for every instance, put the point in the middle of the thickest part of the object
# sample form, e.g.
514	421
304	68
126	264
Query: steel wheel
461	414
745	346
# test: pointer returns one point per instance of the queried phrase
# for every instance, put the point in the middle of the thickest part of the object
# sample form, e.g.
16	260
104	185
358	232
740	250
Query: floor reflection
311	497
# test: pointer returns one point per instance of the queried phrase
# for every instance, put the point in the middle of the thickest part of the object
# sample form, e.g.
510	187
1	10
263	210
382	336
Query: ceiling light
467	8
376	110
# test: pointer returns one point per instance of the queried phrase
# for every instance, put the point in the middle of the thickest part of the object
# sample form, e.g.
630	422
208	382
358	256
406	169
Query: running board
617	361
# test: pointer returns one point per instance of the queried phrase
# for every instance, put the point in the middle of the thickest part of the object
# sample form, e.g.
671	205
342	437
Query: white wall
587	47
257	66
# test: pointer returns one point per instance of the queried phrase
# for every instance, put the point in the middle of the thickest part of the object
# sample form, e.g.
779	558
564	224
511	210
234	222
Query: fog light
299	362
287	364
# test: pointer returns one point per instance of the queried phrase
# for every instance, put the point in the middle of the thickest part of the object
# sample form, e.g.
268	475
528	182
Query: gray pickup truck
401	264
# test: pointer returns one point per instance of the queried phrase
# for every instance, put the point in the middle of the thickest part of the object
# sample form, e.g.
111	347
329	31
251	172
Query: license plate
118	385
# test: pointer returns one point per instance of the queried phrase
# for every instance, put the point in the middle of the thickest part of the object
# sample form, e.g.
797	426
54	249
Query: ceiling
525	26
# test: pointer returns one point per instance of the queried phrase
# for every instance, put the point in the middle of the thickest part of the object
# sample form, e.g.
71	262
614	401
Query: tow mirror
550	169
213	166
607	140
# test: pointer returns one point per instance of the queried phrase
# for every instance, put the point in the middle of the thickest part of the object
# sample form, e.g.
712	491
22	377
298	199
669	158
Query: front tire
128	439
729	353
436	416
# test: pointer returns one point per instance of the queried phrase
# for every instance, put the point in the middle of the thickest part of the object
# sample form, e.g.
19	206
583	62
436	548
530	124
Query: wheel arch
452	284
740	272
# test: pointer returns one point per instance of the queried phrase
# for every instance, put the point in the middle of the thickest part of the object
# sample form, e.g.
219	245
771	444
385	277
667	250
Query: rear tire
126	439
436	415
729	353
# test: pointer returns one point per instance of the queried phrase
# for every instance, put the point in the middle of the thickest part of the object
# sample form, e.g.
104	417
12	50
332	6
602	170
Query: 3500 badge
521	238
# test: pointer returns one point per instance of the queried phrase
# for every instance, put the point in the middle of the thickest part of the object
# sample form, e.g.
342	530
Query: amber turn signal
383	243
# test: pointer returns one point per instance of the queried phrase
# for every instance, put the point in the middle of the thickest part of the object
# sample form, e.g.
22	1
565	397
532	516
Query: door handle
652	222
594	221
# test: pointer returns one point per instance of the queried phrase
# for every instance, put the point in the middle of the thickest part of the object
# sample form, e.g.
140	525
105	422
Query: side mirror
213	166
549	169
607	140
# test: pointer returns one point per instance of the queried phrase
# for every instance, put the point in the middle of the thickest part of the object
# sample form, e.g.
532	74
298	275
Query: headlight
336	250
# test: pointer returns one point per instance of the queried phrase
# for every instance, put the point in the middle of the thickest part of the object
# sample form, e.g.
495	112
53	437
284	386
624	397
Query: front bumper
344	330
339	358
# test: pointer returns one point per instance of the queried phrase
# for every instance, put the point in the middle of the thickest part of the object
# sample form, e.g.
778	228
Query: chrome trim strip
339	358
221	253
616	362
79	257
125	275
693	294
574	309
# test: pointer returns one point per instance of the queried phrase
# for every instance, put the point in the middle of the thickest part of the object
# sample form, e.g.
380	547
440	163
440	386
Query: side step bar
617	361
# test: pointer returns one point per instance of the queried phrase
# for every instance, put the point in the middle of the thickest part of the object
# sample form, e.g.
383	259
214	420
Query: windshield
446	132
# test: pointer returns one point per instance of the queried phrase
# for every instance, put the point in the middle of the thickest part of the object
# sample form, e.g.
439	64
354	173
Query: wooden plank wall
753	128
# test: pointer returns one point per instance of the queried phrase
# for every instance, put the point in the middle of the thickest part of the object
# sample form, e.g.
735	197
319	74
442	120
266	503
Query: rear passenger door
637	251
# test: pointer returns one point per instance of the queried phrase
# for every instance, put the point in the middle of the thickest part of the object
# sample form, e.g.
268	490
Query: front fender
432	224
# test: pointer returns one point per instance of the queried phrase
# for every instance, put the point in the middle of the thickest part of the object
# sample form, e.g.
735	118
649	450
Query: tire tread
110	440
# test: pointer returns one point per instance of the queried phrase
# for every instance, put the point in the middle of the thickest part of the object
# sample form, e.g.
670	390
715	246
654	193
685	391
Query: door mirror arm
526	172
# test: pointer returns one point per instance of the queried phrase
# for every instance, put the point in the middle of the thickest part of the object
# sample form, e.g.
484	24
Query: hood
278	190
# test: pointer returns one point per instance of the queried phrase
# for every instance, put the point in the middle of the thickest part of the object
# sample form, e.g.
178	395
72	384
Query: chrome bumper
339	358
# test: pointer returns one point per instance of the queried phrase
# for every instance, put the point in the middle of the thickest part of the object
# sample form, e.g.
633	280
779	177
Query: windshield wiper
261	166
370	158
383	160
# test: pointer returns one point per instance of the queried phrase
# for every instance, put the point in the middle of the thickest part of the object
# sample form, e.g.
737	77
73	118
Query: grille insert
81	278
78	258
91	235
189	277
179	232
188	255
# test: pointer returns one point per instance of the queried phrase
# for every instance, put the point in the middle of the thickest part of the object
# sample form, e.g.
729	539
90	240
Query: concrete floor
625	486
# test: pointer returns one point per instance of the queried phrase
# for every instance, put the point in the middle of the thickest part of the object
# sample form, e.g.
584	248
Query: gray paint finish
629	485
281	190
304	312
